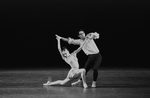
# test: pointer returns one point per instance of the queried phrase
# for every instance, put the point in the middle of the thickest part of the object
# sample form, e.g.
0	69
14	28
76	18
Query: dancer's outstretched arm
71	40
59	46
65	39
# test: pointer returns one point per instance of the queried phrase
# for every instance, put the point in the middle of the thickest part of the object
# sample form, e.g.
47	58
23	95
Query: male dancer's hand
94	35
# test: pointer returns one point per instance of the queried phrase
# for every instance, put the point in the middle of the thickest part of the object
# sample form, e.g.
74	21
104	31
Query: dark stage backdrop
29	28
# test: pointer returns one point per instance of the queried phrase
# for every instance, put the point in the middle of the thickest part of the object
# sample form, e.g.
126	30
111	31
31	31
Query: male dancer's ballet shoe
48	82
93	84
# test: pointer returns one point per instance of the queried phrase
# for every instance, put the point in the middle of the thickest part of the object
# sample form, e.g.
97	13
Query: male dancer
90	49
71	59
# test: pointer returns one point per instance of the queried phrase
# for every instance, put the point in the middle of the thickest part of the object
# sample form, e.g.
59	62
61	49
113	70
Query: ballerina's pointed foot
48	82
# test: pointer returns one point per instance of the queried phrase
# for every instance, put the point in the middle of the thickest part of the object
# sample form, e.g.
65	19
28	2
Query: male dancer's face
82	34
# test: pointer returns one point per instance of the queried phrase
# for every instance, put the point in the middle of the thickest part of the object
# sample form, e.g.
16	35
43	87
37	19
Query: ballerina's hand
58	37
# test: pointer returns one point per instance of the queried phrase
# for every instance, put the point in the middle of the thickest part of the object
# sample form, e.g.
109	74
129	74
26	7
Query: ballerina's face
65	52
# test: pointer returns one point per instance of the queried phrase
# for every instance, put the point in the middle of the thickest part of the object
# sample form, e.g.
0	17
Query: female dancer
74	72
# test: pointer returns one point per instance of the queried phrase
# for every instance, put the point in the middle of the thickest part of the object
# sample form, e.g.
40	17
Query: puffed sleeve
74	41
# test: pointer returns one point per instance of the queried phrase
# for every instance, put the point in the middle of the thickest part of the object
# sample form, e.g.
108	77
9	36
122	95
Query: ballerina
74	73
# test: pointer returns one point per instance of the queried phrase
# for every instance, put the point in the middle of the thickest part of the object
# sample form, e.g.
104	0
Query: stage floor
110	84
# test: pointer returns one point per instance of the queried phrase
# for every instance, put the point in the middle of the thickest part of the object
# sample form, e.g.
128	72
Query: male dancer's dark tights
93	62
